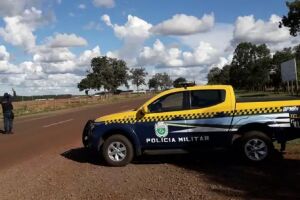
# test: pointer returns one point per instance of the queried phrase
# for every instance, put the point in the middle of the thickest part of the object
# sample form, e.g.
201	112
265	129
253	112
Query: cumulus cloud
181	24
133	33
4	55
12	8
5	66
32	71
52	70
62	60
161	56
19	29
259	31
85	58
51	55
135	28
66	40
52	83
106	19
104	3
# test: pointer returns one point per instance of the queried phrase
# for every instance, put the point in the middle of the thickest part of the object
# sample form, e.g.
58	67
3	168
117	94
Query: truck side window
171	102
206	98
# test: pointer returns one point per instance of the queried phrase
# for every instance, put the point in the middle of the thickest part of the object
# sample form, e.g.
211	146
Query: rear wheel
117	151
256	146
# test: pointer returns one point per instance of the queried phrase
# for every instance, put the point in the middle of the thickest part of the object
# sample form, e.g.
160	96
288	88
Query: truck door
158	128
211	111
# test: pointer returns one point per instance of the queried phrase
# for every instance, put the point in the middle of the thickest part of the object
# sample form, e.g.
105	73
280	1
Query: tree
224	76
161	80
164	80
85	84
219	76
278	58
213	76
109	73
177	81
250	66
138	76
292	20
153	83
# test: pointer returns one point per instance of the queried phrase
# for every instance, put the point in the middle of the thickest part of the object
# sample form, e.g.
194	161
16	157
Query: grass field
46	105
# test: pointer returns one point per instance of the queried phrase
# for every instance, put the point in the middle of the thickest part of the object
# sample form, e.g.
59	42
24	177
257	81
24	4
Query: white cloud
66	40
104	3
135	28
259	31
223	33
62	60
5	66
32	71
181	24
12	8
86	57
4	55
53	83
106	19
45	54
133	33
161	56
19	29
82	6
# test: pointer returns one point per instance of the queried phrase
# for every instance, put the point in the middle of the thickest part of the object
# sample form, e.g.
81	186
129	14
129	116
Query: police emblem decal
161	129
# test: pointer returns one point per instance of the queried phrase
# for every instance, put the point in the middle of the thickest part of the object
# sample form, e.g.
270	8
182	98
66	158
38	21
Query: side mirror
144	110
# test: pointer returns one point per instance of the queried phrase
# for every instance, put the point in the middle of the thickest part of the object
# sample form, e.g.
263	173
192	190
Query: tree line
110	73
253	67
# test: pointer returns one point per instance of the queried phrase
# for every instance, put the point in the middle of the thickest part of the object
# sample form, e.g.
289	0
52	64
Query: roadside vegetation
46	105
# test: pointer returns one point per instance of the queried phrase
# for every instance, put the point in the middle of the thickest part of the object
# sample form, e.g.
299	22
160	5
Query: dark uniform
8	116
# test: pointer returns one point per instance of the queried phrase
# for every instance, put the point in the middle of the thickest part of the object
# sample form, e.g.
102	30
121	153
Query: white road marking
57	123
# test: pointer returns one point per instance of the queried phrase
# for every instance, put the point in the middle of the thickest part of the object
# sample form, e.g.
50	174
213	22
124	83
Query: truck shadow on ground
225	174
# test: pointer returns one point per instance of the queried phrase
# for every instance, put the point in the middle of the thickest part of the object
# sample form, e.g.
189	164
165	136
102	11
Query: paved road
37	134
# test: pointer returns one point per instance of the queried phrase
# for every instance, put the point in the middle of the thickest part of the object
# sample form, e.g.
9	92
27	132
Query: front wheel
256	146
117	151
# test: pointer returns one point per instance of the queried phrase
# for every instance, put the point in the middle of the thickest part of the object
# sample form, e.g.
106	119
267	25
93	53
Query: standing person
8	115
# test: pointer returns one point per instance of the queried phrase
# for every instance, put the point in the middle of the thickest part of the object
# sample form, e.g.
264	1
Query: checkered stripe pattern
259	111
254	111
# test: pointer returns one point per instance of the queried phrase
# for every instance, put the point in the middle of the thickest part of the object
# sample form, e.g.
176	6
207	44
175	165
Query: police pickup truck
192	118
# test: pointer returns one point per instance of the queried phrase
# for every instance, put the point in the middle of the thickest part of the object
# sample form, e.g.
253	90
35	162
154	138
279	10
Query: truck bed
265	98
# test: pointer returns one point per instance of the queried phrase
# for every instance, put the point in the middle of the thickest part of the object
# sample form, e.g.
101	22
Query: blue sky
46	46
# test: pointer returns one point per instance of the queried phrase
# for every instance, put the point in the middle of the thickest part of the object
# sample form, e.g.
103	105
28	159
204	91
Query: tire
256	147
117	151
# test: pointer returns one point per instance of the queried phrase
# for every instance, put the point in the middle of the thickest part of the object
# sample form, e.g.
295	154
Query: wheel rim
256	149
117	151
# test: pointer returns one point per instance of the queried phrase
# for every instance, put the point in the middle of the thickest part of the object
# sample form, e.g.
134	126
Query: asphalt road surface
44	159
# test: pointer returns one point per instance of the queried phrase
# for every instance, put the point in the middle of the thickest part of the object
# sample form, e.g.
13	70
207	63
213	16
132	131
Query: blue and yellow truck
191	118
